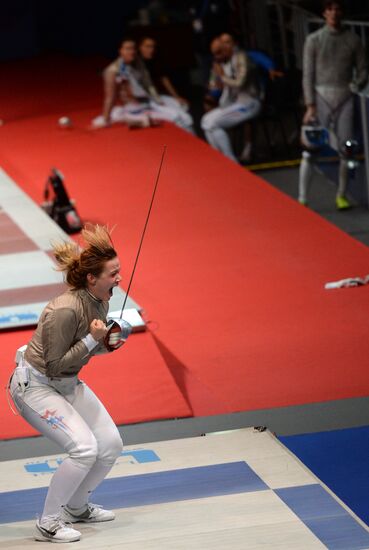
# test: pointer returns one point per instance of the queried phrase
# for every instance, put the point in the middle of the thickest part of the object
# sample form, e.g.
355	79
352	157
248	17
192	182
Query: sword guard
117	333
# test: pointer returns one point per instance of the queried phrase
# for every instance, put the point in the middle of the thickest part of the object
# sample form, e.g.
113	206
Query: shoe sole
40	537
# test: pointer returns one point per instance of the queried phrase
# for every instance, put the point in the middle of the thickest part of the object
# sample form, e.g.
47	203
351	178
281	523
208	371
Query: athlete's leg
170	101
109	442
306	173
339	122
215	122
344	131
131	113
215	135
172	114
51	414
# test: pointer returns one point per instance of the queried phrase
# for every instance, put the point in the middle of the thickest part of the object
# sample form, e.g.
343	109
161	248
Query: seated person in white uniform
239	100
126	79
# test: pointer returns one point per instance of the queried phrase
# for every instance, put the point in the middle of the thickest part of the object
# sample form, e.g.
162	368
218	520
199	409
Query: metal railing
280	28
299	23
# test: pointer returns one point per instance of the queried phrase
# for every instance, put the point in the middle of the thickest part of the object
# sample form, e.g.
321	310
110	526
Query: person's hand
310	115
183	101
117	333
97	329
115	340
209	103
218	69
273	73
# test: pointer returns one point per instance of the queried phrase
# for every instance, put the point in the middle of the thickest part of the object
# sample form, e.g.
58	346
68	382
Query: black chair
280	118
275	131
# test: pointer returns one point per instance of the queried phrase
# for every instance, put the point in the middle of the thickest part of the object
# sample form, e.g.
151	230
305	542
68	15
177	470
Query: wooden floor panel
250	514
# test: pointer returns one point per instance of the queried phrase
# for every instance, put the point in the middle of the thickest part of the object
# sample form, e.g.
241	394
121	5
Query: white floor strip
25	270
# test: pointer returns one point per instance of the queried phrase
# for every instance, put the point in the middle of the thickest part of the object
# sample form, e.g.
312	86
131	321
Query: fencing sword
119	329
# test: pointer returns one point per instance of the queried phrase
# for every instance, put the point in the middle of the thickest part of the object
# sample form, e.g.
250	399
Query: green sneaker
303	202
342	203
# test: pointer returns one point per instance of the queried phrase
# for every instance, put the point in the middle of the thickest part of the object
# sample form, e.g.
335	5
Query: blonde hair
77	262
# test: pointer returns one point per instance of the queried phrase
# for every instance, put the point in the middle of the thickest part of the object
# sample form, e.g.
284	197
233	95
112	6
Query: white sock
79	499
246	151
342	178
305	177
219	139
77	511
210	139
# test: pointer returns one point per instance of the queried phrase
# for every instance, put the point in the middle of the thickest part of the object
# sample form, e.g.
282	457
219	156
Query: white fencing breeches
66	411
171	110
339	122
168	109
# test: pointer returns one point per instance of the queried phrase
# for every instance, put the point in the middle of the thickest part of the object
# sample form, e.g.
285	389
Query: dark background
29	28
81	31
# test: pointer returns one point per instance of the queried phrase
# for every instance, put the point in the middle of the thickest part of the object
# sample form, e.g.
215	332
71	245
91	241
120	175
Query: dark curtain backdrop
28	28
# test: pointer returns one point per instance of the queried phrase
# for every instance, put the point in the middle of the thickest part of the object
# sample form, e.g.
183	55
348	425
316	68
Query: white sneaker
93	514
53	529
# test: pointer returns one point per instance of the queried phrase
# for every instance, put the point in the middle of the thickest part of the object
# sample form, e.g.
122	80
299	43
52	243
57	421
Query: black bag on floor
61	209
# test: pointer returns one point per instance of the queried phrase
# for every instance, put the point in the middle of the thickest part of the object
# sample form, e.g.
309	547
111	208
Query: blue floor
340	459
144	489
312	504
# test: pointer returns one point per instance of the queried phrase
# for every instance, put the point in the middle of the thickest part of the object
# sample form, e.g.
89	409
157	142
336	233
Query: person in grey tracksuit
334	66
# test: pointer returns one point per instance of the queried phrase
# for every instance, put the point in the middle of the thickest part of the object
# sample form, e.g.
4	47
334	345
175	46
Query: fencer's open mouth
111	289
